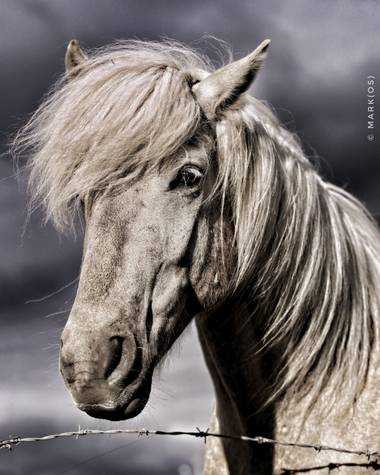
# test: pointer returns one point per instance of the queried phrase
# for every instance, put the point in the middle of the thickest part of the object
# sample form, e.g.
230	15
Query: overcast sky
315	78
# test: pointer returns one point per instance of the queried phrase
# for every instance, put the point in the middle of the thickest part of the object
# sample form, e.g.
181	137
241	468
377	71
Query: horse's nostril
116	353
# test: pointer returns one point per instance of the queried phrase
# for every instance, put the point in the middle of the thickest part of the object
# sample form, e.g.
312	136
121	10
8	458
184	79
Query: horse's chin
128	405
100	411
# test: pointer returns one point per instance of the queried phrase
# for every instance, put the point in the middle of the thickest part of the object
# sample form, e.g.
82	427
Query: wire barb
203	434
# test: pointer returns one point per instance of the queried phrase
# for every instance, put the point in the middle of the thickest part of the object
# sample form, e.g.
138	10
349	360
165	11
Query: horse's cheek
207	276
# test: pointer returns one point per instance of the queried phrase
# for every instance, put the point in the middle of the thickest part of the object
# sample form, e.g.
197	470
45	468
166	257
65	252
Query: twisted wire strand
12	441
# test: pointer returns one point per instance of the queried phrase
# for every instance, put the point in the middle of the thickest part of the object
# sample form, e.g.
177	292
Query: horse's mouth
128	405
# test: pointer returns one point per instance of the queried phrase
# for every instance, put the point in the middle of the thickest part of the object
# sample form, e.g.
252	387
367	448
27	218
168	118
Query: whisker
42	299
60	312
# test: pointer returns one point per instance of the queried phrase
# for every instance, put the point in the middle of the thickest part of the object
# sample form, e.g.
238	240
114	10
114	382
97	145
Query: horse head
152	256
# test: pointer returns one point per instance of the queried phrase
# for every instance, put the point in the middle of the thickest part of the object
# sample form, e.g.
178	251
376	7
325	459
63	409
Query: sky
315	78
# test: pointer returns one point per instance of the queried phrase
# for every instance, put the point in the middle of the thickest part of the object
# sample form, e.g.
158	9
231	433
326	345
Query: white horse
197	203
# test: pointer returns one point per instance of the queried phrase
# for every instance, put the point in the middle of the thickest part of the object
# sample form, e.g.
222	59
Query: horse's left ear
74	57
220	89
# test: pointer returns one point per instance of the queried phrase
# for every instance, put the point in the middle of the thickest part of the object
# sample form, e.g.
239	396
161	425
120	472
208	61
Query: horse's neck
230	343
240	386
240	378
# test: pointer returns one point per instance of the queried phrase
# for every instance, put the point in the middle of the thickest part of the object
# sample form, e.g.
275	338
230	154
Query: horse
198	204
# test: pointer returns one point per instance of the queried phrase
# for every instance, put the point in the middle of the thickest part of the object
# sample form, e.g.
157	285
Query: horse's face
151	260
143	278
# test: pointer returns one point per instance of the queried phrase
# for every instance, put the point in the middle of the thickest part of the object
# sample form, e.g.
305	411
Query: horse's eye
187	177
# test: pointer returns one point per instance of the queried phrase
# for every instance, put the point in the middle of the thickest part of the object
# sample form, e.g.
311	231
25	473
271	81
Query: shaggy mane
308	252
308	257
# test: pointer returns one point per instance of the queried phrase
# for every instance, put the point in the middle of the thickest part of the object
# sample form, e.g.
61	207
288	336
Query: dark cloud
315	77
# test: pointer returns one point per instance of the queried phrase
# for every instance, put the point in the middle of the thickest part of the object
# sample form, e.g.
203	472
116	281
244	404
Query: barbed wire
372	456
330	467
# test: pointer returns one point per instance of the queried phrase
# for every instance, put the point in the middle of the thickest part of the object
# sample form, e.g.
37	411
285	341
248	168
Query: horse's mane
307	250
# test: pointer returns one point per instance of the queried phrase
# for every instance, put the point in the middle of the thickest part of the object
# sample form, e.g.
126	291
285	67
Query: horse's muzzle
106	378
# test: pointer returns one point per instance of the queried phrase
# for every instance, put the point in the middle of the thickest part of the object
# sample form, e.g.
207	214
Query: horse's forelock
129	108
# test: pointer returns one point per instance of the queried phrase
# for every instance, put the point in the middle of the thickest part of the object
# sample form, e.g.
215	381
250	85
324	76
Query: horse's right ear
222	88
74	58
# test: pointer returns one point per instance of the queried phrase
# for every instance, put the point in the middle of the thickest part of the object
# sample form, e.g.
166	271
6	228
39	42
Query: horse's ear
220	89
74	57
